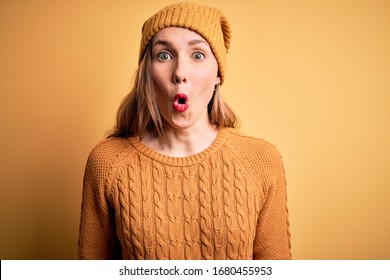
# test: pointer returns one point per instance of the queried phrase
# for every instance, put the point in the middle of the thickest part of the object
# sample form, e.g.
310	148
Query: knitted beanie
209	22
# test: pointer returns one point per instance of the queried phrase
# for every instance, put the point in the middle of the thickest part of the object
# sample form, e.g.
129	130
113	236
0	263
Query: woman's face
185	73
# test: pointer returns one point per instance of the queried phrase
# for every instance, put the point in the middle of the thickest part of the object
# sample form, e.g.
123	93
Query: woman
174	180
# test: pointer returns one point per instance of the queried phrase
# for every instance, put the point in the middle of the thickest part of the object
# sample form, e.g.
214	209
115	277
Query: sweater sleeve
273	240
97	235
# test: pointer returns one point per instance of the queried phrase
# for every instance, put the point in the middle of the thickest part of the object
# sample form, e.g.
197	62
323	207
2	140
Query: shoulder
253	148
109	149
260	157
105	156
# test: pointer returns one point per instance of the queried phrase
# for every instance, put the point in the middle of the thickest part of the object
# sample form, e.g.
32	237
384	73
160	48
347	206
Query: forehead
177	34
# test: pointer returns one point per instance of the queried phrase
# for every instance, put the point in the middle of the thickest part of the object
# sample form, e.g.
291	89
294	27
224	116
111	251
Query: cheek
208	74
207	80
159	76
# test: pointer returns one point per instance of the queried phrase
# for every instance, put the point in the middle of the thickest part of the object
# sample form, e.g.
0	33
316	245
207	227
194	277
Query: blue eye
164	56
198	56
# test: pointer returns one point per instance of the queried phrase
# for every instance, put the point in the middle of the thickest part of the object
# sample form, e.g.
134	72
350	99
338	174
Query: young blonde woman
175	180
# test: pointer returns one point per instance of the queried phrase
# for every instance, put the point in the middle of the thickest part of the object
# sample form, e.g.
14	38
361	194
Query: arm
97	236
273	240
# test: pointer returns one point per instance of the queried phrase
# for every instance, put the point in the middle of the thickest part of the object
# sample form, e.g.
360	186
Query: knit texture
227	202
209	22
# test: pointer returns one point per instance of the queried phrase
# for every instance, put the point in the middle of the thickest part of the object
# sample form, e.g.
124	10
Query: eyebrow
195	42
169	44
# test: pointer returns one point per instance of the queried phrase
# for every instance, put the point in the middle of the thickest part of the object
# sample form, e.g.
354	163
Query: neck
182	142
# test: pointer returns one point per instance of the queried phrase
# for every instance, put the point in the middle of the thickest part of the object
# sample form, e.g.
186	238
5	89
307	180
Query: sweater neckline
181	161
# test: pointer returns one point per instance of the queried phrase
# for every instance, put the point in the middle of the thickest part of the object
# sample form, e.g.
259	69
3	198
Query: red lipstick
180	103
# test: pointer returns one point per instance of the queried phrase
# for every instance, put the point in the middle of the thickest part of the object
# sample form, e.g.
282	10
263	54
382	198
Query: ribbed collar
182	161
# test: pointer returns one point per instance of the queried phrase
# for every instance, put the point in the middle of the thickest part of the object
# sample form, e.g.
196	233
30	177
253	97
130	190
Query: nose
180	72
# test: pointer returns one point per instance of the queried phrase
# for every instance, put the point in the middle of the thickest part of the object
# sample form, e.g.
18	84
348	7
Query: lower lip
180	102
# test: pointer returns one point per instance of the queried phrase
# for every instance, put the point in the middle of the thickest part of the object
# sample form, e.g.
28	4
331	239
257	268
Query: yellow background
310	76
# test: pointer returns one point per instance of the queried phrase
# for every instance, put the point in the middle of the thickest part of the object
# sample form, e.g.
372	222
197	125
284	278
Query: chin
182	125
179	123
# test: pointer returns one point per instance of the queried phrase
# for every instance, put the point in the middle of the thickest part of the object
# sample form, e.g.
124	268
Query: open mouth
180	102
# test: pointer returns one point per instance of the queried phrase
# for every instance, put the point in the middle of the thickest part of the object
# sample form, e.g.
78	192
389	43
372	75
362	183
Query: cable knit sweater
227	202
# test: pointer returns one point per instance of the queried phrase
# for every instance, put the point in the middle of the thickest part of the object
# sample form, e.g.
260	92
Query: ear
218	80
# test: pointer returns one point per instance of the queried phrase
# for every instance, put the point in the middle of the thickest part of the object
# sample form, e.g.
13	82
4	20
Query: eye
198	56
164	56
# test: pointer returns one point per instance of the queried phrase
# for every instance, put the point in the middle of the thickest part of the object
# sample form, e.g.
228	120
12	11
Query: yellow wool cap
209	22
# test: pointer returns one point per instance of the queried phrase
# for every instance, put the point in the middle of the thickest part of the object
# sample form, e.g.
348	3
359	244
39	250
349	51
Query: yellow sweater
227	202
